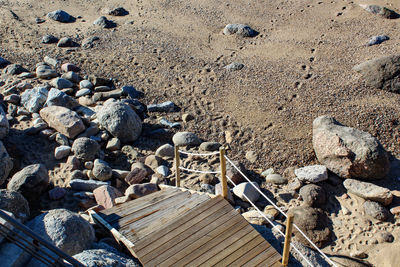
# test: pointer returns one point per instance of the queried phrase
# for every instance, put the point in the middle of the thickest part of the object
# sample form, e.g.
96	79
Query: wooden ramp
175	227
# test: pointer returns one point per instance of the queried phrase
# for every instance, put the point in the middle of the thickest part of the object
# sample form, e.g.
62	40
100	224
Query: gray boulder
66	230
120	120
60	16
248	190
85	148
104	258
59	98
15	203
186	139
369	191
33	99
348	152
31	181
6	163
4	125
381	73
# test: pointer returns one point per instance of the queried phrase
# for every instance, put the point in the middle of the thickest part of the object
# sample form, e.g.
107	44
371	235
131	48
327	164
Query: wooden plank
262	257
240	251
224	249
125	206
277	264
183	239
164	215
136	205
262	248
190	252
164	234
148	208
272	261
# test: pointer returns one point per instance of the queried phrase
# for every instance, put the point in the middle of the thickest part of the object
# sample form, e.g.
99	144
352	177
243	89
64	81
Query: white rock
313	173
246	189
62	152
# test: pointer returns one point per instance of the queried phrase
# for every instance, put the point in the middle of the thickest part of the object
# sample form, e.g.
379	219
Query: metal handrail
40	240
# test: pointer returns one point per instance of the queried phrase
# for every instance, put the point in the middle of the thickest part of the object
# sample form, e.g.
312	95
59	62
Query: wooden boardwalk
175	227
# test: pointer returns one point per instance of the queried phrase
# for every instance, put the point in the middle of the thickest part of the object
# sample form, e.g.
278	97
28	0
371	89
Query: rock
381	73
395	210
4	62
62	152
62	139
246	189
13	99
375	40
102	88
66	67
369	191
385	237
165	151
113	144
233	173
131	91
71	76
168	106
118	11
186	139
45	72
33	99
130	152
153	161
14	69
210	146
15	203
137	175
218	191
187	117
120	120
139	190
83	92
251	156
313	195
234	66
169	124
240	30
254	217
4	125
85	148
312	174
61	83
57	193
381	11
85	84
271	211
348	152
50	61
66	42
104	258
313	222
63	120
31	181
59	98
276	179
66	230
86	185
163	170
105	196
104	22
60	16
376	210
49	39
101	170
268	172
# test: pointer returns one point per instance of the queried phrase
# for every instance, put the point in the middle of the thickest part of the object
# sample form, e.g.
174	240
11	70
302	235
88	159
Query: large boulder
15	203
33	99
85	148
6	163
369	191
313	222
348	152
31	181
64	120
120	120
66	230
382	73
4	125
104	258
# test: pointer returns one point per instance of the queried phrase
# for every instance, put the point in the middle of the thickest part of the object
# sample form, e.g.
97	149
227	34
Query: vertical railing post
288	236
177	170
224	182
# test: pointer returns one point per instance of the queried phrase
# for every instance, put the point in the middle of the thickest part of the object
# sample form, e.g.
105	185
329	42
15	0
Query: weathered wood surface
174	227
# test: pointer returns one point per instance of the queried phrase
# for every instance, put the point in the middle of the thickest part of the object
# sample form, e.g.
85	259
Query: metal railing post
177	170
288	236
224	182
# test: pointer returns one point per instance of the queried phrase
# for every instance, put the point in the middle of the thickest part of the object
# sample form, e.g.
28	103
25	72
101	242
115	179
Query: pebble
71	76
113	144
131	91
104	22
163	170
168	106
61	83
85	84
62	152
101	170
240	30
275	179
375	40
66	67
251	156
166	151
210	146
118	11
65	42
187	117
50	61
175	125
86	185
83	92
60	16
49	39
234	66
